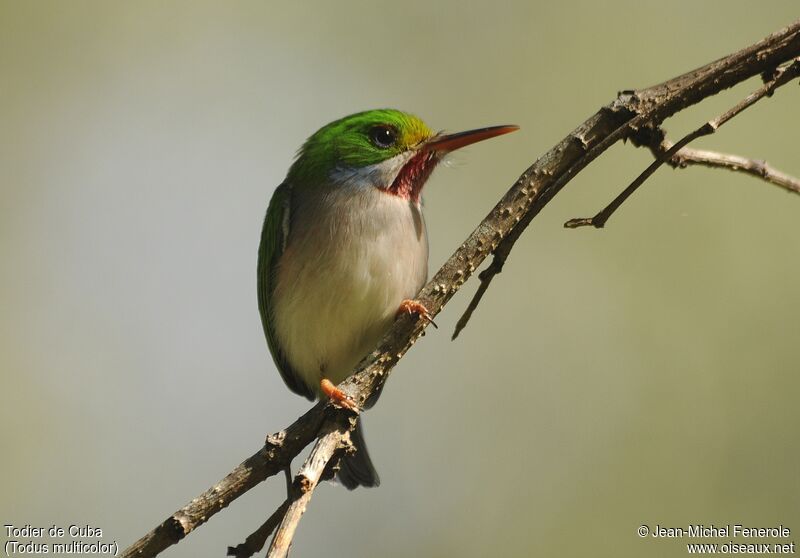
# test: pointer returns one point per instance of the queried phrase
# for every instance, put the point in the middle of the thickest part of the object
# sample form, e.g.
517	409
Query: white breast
350	260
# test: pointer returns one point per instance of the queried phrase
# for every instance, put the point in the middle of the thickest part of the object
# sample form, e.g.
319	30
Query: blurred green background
642	374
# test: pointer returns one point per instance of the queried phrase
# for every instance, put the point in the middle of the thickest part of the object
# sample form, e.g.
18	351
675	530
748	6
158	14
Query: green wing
273	239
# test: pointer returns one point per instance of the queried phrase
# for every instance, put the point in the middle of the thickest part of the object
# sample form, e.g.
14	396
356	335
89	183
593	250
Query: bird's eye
383	136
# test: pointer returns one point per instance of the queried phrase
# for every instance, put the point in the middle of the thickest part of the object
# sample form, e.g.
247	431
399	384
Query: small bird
344	250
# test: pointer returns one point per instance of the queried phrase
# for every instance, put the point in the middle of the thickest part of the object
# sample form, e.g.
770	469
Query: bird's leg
336	395
410	306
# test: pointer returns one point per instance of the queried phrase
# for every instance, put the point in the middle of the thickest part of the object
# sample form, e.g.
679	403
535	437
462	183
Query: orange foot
337	396
416	307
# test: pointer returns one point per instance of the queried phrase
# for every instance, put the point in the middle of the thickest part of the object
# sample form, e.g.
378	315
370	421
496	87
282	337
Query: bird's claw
337	396
410	306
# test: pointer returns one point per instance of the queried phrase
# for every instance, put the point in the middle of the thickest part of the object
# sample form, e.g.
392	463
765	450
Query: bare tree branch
277	453
630	113
760	169
256	541
309	475
496	234
782	76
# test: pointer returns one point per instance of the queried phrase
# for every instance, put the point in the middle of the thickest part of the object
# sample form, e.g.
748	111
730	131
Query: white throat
379	175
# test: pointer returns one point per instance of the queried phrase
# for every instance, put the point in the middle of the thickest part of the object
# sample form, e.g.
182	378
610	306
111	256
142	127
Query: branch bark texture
702	157
621	119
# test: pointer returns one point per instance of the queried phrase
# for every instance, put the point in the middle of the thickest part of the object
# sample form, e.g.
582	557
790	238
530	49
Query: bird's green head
388	149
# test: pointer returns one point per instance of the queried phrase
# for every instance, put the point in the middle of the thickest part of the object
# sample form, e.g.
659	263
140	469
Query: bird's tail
357	470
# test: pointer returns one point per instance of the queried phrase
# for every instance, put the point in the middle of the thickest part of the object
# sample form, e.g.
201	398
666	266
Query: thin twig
256	541
631	112
303	487
485	277
782	76
689	156
287	472
277	453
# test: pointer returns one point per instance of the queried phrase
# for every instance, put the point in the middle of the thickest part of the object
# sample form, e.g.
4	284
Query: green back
273	239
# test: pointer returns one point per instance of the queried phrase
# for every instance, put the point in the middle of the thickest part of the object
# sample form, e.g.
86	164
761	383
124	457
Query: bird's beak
450	142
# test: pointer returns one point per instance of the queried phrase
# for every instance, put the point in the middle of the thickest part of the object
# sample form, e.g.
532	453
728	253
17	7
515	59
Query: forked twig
256	541
782	75
305	482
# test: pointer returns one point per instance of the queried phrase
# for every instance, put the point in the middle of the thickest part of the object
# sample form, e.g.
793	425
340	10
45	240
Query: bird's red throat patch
412	177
